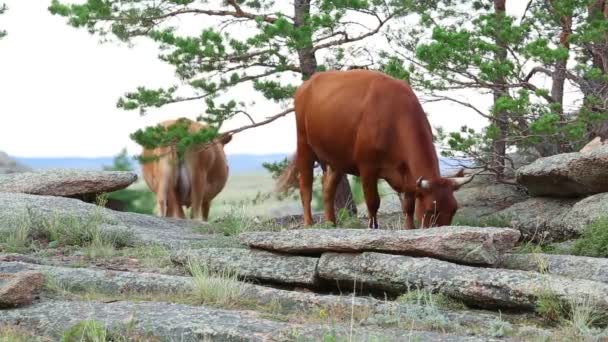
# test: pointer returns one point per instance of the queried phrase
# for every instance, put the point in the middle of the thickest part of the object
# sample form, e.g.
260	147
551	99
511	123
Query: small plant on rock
594	240
86	331
219	288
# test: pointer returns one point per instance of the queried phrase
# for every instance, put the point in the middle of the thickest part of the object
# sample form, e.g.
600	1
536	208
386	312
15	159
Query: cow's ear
422	184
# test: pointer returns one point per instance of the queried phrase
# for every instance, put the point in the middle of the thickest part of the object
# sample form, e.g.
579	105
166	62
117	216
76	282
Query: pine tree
275	42
476	46
3	9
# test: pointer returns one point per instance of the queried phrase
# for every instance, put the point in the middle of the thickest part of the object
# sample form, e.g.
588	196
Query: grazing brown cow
368	124
192	182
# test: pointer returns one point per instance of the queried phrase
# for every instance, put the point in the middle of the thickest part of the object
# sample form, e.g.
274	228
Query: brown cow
368	124
192	182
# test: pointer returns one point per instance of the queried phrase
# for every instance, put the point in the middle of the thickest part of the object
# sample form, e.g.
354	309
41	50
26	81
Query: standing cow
192	182
369	124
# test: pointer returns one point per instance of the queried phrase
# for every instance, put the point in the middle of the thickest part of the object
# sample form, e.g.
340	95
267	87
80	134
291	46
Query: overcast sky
59	87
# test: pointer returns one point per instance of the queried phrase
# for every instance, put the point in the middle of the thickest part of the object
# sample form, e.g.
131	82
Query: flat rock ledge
469	245
116	282
575	267
484	287
66	182
178	322
253	264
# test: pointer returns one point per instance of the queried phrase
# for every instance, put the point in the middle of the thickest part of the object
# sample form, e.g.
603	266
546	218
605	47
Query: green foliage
96	331
471	47
89	331
176	135
488	221
3	9
219	288
550	306
594	240
213	62
121	162
133	200
30	229
276	168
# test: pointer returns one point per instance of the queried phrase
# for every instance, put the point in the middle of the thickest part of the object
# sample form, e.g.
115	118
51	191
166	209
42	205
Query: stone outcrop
593	144
486	199
145	228
546	219
576	267
471	245
9	165
541	218
178	322
19	289
586	211
567	175
253	264
119	282
484	287
66	182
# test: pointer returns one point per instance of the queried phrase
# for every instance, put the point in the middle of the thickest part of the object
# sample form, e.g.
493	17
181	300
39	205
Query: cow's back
348	117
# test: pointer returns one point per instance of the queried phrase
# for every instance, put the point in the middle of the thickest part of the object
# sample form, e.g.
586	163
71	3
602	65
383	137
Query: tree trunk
598	54
559	78
308	66
501	118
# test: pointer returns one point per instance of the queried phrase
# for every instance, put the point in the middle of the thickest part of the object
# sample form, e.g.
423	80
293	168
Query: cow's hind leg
369	180
305	160
330	184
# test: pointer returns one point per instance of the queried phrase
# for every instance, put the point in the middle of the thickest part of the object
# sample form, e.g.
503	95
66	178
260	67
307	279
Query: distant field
250	194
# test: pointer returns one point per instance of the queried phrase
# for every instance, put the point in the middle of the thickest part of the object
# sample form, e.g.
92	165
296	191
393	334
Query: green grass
9	333
490	221
221	288
29	231
426	298
594	240
95	331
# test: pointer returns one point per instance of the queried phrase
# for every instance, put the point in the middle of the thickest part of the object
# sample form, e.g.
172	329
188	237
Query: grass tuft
220	288
9	333
594	240
489	221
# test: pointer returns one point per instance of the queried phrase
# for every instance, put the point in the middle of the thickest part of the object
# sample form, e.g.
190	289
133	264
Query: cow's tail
288	178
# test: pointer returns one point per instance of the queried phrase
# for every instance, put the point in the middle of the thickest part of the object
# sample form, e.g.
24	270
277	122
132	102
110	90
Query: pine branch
346	39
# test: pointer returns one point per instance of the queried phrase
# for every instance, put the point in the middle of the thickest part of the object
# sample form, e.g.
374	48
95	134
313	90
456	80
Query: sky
59	87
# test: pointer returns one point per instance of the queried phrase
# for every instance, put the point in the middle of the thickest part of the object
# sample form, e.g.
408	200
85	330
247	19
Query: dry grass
10	333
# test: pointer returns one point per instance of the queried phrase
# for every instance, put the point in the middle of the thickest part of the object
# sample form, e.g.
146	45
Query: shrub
594	240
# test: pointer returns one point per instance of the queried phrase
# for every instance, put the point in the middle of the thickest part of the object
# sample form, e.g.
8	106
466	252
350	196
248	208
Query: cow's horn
460	181
423	183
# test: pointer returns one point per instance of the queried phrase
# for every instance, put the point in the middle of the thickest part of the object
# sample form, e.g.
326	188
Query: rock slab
567	175
485	287
546	219
173	233
19	289
66	182
253	264
576	267
178	322
471	245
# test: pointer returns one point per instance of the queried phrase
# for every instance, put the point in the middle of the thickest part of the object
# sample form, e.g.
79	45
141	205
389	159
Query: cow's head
435	202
